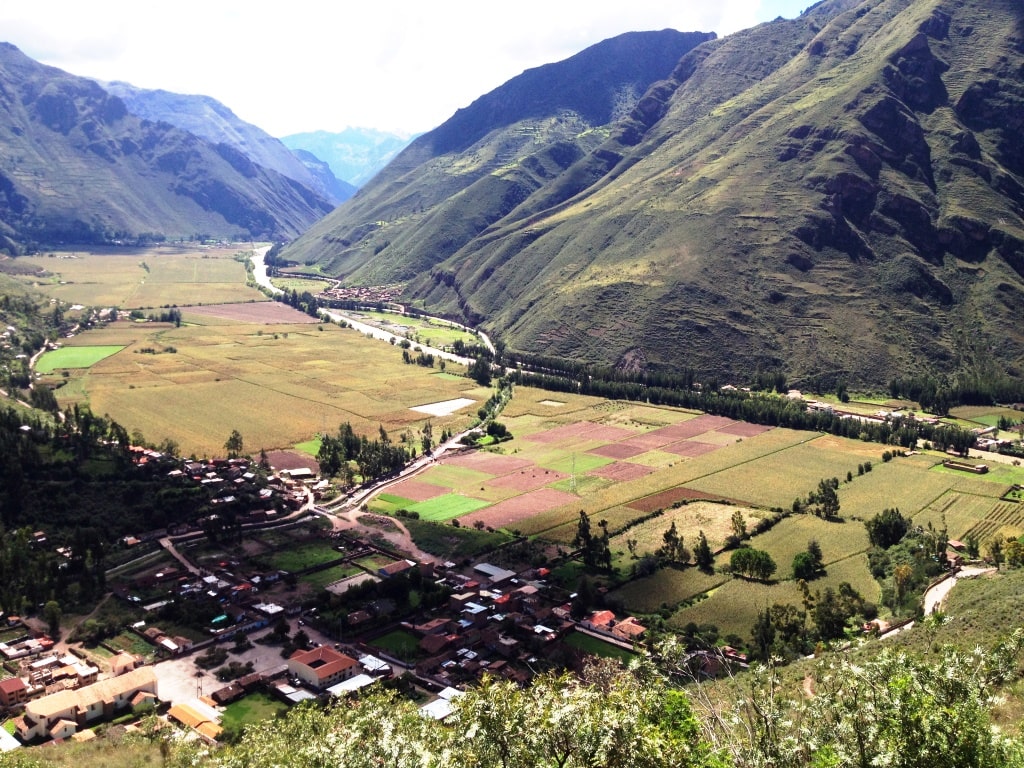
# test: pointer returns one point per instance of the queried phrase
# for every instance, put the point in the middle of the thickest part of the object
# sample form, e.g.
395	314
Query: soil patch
511	511
528	479
266	312
622	471
692	427
691	448
587	429
666	499
618	451
745	429
417	490
292	460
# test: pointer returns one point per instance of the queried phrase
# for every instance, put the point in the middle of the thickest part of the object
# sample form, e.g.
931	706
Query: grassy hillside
837	196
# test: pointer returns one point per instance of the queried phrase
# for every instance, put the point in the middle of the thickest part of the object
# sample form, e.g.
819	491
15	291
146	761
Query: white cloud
304	65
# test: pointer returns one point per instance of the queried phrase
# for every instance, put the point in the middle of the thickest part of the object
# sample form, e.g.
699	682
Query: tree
995	551
827	499
53	615
673	548
427	438
234	444
887	528
804	566
754	563
739	525
763	635
702	554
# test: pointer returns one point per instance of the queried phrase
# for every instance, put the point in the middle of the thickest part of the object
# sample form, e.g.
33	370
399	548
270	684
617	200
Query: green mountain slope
838	196
76	167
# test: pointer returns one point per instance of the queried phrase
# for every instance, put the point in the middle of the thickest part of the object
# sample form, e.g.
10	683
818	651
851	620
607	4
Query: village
472	619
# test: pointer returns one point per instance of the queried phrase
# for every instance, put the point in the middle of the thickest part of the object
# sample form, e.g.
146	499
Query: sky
303	65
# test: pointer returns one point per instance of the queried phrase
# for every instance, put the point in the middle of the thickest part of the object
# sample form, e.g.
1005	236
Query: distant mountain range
354	154
211	120
838	197
76	166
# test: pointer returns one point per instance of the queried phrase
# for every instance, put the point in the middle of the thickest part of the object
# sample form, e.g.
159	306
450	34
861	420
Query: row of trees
375	458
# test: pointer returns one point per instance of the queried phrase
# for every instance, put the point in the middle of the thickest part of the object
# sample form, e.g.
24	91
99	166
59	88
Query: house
61	714
493	573
395	568
13	691
629	629
200	717
322	667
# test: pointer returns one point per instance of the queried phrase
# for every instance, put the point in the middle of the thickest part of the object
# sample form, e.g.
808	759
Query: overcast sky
300	65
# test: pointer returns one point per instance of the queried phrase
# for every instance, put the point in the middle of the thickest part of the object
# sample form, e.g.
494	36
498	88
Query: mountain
208	119
77	166
354	154
837	196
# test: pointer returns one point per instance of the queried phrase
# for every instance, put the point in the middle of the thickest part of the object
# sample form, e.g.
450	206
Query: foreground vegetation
894	710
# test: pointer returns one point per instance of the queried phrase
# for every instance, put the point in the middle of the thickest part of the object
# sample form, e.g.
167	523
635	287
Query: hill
208	119
837	196
76	166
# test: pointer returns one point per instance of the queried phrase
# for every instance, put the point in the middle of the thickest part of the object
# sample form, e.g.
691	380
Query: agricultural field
75	357
213	375
160	276
251	709
667	587
597	647
420	330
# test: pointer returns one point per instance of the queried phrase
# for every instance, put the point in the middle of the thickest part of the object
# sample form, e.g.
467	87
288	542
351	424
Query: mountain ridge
838	196
76	166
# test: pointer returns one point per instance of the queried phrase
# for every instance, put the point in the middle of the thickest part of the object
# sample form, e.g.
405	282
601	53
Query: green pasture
789	537
597	647
998	474
301	284
400	643
320	579
421	330
667	587
75	357
301	556
446	507
309	447
252	708
145	279
389	503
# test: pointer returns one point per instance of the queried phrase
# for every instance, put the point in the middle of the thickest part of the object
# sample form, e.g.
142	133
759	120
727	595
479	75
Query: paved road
934	597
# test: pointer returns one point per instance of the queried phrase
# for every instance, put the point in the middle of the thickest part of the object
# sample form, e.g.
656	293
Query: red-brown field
693	427
621	471
666	499
691	448
649	441
417	490
490	463
268	312
292	460
618	451
744	429
511	511
586	429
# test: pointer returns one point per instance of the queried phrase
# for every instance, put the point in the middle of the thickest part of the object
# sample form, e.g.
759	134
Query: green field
598	647
402	644
450	543
668	587
299	557
446	507
252	708
419	330
75	357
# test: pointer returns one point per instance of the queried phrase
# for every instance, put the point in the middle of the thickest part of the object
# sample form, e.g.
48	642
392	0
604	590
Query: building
13	692
61	714
322	667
